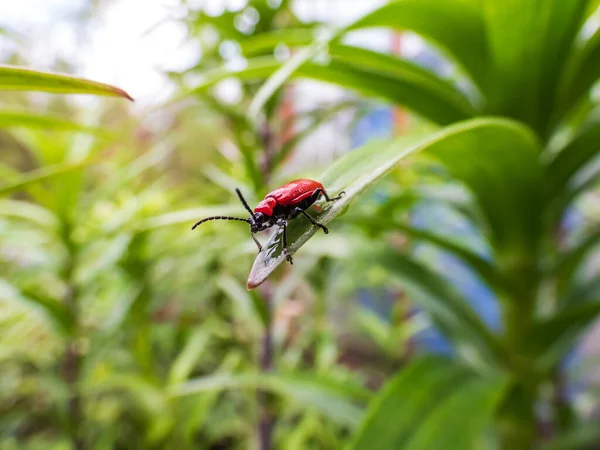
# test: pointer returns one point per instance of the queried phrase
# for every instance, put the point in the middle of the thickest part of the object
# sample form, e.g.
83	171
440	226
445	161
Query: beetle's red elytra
279	206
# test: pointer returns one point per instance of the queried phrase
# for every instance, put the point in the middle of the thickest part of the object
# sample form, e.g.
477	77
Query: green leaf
283	73
445	428
399	82
582	71
184	363
456	26
424	92
528	43
436	296
267	42
50	309
499	163
496	158
570	262
427	400
550	339
582	436
45	173
22	79
10	119
574	156
484	268
28	211
337	400
189	216
248	306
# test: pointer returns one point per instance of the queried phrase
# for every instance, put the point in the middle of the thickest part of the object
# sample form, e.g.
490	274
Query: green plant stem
73	358
517	415
266	421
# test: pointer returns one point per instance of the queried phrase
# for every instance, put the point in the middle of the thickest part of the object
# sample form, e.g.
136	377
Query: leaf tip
124	94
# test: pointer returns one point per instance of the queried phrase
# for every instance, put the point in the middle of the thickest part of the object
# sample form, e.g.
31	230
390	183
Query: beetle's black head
260	222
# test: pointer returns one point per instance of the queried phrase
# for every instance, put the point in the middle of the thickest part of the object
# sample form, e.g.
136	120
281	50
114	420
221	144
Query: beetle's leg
283	224
313	221
332	199
256	242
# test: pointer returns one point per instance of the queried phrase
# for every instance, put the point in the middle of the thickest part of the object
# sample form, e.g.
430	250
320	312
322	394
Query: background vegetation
123	329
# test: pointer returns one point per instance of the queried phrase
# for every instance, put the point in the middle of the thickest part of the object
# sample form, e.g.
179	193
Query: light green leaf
42	174
429	399
267	42
283	73
184	363
22	79
251	309
337	400
189	216
28	211
496	158
50	309
10	119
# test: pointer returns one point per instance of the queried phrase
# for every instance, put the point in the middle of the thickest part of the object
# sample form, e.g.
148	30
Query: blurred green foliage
123	329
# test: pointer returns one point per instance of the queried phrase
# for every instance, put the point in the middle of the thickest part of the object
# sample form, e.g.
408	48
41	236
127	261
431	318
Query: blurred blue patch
376	124
433	218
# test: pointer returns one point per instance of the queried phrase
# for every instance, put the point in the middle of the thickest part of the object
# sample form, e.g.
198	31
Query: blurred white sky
124	46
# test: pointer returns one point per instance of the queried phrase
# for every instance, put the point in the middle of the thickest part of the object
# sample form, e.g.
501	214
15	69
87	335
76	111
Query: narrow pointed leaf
10	119
43	174
437	297
283	73
266	42
22	79
583	70
550	339
484	268
339	401
574	156
570	262
396	81
497	158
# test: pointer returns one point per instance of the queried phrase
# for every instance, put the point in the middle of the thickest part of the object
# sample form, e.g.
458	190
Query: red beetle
279	206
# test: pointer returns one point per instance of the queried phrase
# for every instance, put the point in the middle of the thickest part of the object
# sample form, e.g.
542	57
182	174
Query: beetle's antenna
221	218
243	200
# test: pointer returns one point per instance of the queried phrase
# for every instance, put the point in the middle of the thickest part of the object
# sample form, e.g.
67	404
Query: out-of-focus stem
266	421
73	359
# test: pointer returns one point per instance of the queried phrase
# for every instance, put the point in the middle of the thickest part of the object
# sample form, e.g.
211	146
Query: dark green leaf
439	299
429	400
399	82
455	26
